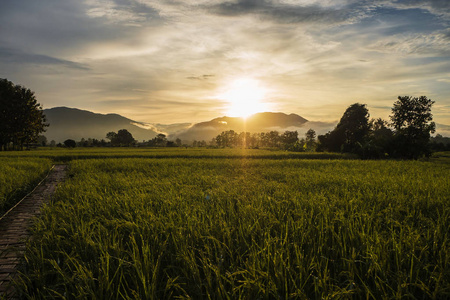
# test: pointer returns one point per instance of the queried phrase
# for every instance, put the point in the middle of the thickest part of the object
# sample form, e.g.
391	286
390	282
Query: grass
66	155
18	176
230	227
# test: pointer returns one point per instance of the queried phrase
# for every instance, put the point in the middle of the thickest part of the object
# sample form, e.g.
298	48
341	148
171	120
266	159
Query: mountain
260	122
71	123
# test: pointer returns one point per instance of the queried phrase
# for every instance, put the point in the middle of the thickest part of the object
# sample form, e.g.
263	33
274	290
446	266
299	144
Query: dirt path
14	225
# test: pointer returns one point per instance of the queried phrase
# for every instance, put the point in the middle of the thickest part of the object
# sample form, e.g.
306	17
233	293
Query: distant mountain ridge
72	123
259	122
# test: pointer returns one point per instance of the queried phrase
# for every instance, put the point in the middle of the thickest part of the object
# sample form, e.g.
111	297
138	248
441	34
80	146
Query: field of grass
18	176
64	154
229	227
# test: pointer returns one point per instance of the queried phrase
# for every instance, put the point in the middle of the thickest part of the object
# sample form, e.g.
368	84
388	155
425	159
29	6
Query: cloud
286	12
151	60
126	12
437	7
436	43
203	77
11	56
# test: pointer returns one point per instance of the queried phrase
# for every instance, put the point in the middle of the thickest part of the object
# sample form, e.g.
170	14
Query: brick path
14	225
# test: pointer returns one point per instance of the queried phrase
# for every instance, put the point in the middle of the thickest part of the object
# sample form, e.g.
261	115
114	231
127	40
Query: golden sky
189	61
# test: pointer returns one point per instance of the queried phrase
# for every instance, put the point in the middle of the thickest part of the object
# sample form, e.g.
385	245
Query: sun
245	97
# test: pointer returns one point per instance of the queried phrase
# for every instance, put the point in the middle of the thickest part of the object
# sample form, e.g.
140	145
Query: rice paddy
234	226
18	176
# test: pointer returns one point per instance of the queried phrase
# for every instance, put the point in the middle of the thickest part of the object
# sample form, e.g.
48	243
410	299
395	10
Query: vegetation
273	139
350	133
410	138
411	119
260	228
21	116
18	176
70	143
122	138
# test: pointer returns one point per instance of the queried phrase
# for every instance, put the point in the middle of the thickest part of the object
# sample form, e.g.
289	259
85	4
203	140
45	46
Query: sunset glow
192	61
245	96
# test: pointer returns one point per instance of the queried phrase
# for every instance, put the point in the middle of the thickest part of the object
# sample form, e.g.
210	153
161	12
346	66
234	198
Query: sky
169	61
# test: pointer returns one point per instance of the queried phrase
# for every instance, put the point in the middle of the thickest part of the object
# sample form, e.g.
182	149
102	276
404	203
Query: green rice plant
240	228
66	155
18	176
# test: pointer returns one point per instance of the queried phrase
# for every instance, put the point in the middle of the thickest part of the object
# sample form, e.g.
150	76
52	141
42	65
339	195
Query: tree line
406	135
287	140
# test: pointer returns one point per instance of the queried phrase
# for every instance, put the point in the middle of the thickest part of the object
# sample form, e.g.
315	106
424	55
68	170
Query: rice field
66	155
243	227
18	176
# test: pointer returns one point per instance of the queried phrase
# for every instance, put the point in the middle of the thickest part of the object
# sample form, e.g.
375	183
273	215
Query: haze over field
192	61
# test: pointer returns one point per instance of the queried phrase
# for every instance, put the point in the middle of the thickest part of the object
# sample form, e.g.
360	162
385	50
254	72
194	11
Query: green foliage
122	138
18	176
350	133
411	118
21	116
70	143
240	228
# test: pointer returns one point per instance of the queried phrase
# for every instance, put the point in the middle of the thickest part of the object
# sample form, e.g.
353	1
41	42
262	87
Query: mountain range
72	123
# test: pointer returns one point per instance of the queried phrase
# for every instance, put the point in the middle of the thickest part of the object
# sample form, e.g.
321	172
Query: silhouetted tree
273	138
380	140
160	140
70	143
42	140
112	136
227	139
440	143
412	121
21	116
350	133
310	140
288	139
125	138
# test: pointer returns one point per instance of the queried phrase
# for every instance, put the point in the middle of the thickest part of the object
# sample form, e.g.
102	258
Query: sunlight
245	97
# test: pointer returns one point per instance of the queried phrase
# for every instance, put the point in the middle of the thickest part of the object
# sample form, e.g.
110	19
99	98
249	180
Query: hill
71	123
260	122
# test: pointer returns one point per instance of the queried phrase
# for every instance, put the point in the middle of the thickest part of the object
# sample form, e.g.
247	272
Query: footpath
14	229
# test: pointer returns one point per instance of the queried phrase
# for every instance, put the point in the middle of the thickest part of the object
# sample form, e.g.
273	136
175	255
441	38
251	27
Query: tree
350	133
42	140
121	138
288	139
21	116
112	136
412	121
379	143
160	140
310	140
227	139
70	143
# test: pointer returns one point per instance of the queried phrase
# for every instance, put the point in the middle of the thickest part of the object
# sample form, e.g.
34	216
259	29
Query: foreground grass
18	176
65	154
244	228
